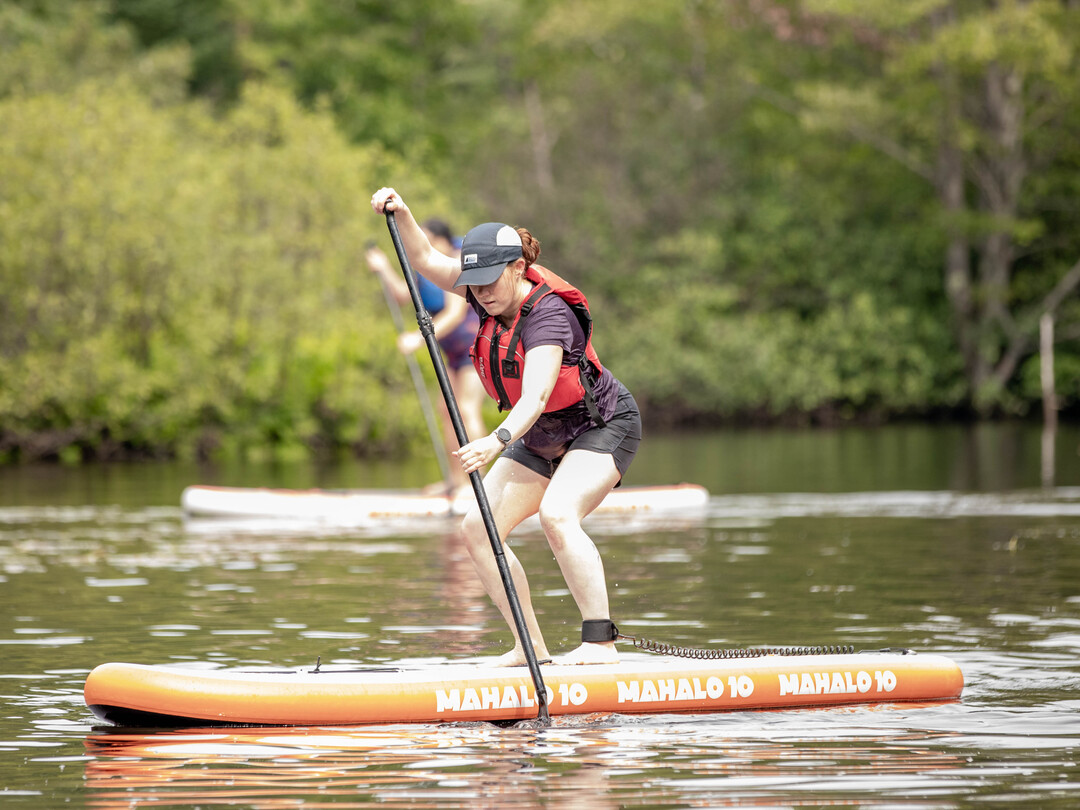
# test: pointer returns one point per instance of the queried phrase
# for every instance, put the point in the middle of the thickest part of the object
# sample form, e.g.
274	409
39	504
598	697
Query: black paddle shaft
427	329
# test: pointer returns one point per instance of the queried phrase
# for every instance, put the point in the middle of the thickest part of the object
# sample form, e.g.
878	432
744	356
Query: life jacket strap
510	366
493	366
585	373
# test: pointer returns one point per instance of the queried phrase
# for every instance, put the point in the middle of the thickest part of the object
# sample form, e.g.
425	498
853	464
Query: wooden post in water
1049	396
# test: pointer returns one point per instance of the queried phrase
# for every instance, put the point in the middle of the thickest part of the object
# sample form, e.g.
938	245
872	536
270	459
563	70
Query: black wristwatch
503	435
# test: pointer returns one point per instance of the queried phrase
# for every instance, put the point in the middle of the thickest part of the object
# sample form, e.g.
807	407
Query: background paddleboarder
455	328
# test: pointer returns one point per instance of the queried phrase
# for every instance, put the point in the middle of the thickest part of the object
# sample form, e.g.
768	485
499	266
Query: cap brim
480	276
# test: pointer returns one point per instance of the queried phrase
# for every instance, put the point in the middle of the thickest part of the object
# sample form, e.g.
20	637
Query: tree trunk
950	182
1000	177
541	139
1049	396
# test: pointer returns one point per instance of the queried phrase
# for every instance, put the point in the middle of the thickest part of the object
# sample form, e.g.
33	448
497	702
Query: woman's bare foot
516	658
591	653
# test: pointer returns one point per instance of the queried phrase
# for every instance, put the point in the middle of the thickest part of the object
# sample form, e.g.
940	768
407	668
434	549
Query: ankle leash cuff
598	630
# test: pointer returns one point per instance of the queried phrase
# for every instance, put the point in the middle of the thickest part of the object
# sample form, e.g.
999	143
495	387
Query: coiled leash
603	630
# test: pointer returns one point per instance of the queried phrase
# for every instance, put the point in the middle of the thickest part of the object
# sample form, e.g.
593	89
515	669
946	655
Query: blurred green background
783	211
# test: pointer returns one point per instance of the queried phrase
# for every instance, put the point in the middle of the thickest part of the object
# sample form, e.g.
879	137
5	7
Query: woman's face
503	295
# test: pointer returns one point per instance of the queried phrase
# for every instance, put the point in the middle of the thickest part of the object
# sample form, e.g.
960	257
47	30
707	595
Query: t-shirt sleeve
551	323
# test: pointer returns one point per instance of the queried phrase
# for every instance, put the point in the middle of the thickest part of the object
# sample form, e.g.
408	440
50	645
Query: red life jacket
499	359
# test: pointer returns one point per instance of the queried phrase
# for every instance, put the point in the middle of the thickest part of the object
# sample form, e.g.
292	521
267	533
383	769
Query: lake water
942	539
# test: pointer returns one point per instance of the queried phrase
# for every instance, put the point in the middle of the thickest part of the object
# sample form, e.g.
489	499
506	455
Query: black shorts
619	438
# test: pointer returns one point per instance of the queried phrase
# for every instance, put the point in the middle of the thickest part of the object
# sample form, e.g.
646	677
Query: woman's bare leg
580	483
514	493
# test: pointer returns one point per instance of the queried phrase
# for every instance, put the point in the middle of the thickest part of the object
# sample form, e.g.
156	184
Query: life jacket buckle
510	368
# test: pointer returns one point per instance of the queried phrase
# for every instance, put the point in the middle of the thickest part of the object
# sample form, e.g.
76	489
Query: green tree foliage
386	70
979	100
204	27
845	154
49	45
701	206
178	282
808	209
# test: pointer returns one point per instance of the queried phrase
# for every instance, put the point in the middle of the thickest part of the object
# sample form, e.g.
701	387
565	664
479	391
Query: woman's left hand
478	453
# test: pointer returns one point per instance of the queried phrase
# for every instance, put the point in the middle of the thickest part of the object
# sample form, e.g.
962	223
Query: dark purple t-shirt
553	323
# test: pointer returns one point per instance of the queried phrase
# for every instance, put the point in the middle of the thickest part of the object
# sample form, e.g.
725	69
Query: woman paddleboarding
571	428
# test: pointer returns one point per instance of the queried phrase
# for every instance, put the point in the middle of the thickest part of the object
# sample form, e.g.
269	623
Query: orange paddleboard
133	694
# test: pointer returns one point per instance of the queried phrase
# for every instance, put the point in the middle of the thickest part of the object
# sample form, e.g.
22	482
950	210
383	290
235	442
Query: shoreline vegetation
800	213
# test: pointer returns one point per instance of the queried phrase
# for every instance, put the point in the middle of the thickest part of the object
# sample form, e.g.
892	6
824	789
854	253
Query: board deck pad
141	695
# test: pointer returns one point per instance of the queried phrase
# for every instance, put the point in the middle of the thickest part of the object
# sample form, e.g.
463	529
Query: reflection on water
603	762
956	549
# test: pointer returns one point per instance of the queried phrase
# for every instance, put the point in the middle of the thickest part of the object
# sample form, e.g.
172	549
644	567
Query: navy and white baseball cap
485	252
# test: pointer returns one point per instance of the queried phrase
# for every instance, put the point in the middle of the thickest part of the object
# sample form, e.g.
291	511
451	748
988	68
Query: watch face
503	435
